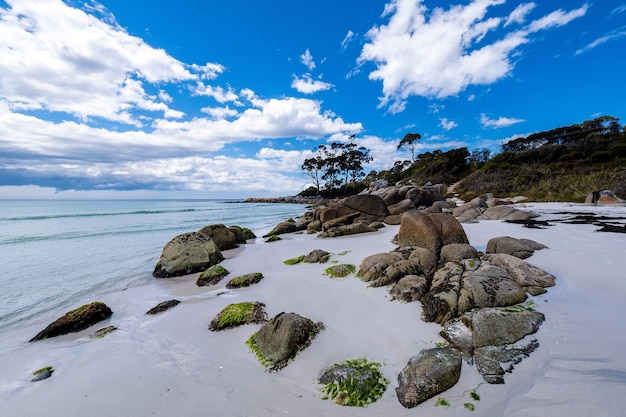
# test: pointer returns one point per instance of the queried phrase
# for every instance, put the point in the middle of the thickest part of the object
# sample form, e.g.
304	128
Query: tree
478	157
314	167
410	144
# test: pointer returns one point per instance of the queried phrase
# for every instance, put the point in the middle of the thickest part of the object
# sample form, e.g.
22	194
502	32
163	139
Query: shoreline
174	365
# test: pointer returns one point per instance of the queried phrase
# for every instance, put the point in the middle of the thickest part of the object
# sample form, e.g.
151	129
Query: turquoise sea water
54	253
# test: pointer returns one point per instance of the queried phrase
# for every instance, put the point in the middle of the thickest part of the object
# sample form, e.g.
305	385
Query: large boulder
490	286
401	207
449	229
520	248
346	230
369	204
458	252
75	320
223	237
417	229
280	339
410	288
186	254
373	267
424	196
282	228
427	374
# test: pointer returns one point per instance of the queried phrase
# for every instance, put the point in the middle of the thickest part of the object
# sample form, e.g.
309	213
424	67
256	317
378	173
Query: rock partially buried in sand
212	276
279	340
43	373
245	280
427	374
354	383
163	306
100	333
238	314
76	320
186	254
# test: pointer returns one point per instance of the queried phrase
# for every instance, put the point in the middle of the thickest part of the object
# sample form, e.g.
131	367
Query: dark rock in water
279	340
165	305
490	359
245	280
186	254
76	320
427	374
613	228
43	373
238	314
100	333
212	275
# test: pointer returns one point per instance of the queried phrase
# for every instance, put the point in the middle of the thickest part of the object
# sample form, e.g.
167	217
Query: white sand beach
172	365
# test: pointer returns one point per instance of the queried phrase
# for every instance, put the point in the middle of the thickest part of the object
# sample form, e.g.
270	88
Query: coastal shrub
238	314
340	271
354	383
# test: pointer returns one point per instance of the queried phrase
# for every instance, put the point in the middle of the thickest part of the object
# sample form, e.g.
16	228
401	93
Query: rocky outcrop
488	208
75	320
346	230
186	254
532	278
223	237
494	339
430	231
603	197
520	248
427	374
279	340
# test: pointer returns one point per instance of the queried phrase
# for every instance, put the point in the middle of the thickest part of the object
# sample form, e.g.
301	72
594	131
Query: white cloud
347	40
61	59
218	93
447	124
307	85
220	113
500	122
611	36
439	53
519	14
307	59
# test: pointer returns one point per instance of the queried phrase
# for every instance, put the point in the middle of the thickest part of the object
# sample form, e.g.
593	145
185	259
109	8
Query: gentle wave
78	215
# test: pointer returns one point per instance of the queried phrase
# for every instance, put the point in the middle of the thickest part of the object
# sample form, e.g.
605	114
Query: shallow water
55	253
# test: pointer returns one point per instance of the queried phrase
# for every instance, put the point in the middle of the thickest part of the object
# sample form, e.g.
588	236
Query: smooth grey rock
494	327
186	254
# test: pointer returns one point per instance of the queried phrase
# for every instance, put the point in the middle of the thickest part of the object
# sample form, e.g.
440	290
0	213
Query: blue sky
208	99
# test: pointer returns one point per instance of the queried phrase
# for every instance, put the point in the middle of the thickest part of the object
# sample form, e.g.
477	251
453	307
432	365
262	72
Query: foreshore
171	364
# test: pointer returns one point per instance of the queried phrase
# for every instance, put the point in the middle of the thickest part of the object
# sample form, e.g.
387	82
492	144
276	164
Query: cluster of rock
489	208
193	252
604	197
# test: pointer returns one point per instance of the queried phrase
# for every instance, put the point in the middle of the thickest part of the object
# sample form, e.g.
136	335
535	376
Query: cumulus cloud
447	124
61	59
307	85
307	59
500	122
448	46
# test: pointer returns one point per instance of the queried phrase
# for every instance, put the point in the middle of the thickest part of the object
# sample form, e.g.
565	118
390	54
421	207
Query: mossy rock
354	383
245	280
273	238
294	261
238	314
43	373
279	340
212	275
248	234
76	320
340	271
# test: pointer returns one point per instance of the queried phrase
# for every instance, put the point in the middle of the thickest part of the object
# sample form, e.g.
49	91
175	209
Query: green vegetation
273	238
42	374
294	261
265	362
245	280
340	271
562	164
469	406
518	308
343	253
474	396
442	402
247	233
354	383
235	314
